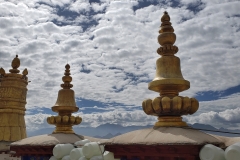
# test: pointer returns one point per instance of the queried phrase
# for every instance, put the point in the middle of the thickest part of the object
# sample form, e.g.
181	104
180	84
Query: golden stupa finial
168	81
65	106
13	93
15	65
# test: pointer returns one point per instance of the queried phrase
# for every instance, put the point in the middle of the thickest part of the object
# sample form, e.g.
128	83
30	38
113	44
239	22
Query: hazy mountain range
111	130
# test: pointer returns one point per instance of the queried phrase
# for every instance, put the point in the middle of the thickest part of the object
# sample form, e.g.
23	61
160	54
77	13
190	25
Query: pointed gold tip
167	35
165	17
67	79
15	62
15	65
166	25
67	66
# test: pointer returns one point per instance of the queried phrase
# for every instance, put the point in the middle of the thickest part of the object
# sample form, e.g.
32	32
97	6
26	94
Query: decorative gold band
12	111
170	121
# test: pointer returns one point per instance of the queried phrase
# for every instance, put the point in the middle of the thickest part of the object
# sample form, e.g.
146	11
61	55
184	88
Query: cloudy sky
111	47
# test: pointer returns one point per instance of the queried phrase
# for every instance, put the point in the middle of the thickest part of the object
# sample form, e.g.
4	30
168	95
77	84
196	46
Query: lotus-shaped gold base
64	123
170	109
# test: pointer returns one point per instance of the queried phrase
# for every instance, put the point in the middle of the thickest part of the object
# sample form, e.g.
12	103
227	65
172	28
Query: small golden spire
15	65
2	71
168	81
166	38
65	106
67	79
166	24
25	72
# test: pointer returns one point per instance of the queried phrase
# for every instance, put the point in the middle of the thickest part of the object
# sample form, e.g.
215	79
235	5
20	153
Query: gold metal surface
13	91
15	65
168	81
65	106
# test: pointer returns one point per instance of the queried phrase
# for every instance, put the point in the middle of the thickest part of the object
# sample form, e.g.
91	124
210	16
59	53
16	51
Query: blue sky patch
37	110
71	16
215	95
146	3
196	7
91	106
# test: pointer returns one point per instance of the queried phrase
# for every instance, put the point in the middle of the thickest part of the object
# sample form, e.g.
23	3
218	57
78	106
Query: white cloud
210	112
219	113
229	102
80	6
117	116
37	121
125	118
98	7
226	119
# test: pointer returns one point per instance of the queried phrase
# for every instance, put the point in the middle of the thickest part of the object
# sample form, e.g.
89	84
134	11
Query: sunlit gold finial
13	92
15	65
168	81
65	106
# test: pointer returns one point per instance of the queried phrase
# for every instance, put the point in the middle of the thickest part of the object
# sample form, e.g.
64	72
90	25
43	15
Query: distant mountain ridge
111	130
109	135
212	130
100	131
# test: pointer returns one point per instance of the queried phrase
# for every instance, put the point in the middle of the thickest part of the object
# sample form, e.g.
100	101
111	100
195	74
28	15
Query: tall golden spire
13	91
65	106
168	81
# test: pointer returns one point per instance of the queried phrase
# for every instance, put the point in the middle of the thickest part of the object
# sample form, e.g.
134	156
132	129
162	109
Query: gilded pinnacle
168	81
166	38
65	106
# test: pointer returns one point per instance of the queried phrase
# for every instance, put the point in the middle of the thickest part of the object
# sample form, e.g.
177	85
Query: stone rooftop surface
53	139
165	136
